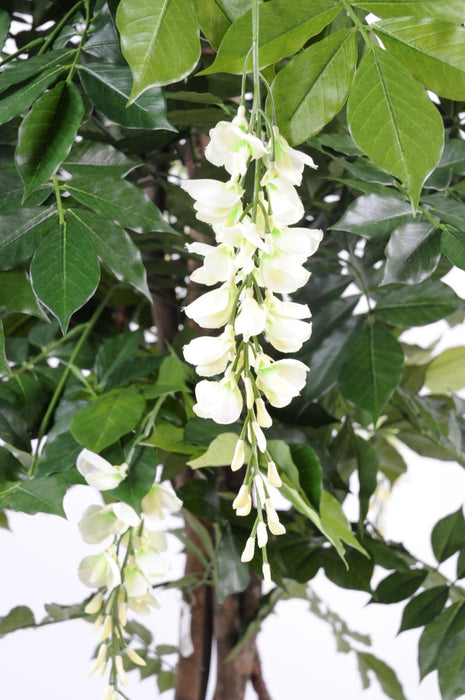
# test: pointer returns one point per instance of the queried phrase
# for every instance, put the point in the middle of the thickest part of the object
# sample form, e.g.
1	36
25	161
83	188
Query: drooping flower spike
258	257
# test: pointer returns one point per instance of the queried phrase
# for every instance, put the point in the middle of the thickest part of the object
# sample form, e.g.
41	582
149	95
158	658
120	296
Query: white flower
151	563
159	498
98	472
219	266
142	604
262	534
251	318
286	206
249	550
282	272
213	309
98	522
285	331
221	401
239	456
244	232
100	570
281	381
135	581
232	147
273	475
216	202
289	162
302	242
211	354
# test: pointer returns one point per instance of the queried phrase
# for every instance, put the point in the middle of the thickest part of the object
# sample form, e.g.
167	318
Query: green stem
77	55
256	65
14	55
358	23
61	211
46	351
58	27
64	377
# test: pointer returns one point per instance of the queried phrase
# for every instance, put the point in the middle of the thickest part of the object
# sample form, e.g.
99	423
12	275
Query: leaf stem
64	377
61	211
58	27
77	55
358	23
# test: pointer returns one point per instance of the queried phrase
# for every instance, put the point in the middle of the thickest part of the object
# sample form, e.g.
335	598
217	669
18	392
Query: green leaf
398	586
424	608
19	71
17	618
117	200
219	453
40	495
432	301
392	120
446	372
282	33
432	50
159	40
374	216
20	233
65	271
372	370
18	100
436	636
4	27
47	134
461	564
59	455
321	77
368	466
115	249
453	245
166	680
108	418
232	575
335	523
356	577
216	16
310	471
392	464
4	367
109	86
413	253
16	295
115	351
384	674
448	536
450	10
451	665
108	159
140	478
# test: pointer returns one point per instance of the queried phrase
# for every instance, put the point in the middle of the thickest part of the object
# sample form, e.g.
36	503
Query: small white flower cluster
126	569
256	259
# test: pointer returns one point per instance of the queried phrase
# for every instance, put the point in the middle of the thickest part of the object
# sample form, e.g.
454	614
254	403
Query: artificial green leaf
448	535
201	431
17	72
413	253
109	86
449	10
16	619
384	674
436	636
41	495
398	586
432	301
20	233
453	245
392	120
4	367
446	372
65	271
368	466
16	295
232	575
356	577
47	134
59	455
391	462
282	33
219	453
451	664
166	680
107	158
321	77
372	370
113	352
424	608
159	40
335	522
115	249
117	200
18	100
216	16
140	478
108	418
4	27
449	210
310	471
461	564
432	50
374	216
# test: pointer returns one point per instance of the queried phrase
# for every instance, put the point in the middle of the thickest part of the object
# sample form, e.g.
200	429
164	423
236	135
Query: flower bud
94	604
242	497
98	472
239	456
249	550
263	417
273	475
262	534
134	656
259	434
266	574
106	629
120	672
249	395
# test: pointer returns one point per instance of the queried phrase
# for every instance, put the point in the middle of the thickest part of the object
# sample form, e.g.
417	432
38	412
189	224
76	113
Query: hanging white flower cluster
126	569
257	257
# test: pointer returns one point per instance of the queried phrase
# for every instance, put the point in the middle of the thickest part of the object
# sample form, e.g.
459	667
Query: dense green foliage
93	226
